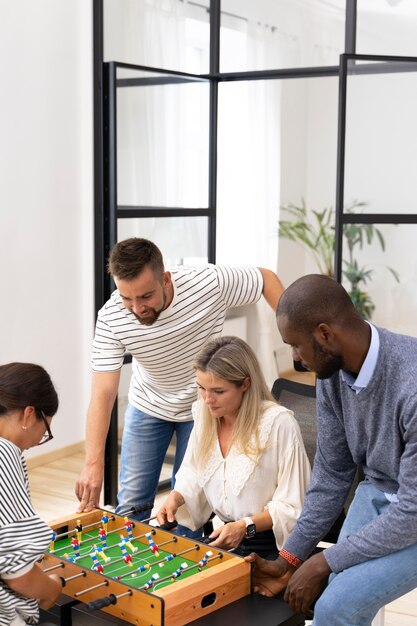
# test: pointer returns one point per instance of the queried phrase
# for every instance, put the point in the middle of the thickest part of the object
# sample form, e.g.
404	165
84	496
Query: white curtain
249	177
162	130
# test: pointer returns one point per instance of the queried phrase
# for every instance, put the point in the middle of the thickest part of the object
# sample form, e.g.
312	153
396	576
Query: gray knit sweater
376	428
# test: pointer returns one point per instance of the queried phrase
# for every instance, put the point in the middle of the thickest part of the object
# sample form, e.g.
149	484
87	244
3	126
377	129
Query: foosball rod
164	543
137	509
49	569
103	549
66	580
74	530
171	577
166	558
122	558
84	556
112	599
132	511
80	593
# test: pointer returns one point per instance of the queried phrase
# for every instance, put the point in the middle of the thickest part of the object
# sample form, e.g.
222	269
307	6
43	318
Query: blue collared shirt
368	366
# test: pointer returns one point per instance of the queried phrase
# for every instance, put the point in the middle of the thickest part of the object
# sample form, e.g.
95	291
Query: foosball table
142	574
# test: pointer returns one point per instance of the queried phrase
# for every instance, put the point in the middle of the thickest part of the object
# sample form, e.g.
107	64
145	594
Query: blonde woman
245	459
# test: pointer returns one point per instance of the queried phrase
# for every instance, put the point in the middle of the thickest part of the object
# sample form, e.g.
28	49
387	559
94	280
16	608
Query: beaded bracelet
292	560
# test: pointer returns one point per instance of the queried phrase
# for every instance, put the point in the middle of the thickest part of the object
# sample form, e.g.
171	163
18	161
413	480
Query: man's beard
148	321
327	363
151	319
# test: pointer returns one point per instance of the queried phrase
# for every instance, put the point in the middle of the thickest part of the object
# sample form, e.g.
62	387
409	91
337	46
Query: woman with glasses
28	401
245	459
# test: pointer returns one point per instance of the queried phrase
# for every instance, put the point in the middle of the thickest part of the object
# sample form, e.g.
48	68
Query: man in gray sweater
367	415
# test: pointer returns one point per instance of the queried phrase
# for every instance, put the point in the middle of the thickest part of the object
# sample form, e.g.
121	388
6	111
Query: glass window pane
169	34
381	137
387	27
182	240
277	145
248	171
162	140
395	302
279	34
308	170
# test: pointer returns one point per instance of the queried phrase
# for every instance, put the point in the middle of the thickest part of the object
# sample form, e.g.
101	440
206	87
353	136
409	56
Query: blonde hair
233	360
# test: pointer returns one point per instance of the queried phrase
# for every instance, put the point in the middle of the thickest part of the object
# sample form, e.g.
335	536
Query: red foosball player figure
152	544
76	545
204	560
103	537
129	527
96	563
151	582
79	530
179	571
126	556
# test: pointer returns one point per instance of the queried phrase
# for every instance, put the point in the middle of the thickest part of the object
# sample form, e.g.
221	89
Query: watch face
250	531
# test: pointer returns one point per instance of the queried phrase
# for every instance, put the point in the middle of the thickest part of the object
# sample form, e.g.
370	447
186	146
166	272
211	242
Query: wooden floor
52	490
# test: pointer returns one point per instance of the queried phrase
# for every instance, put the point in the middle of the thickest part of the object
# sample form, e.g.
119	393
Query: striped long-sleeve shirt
163	379
24	537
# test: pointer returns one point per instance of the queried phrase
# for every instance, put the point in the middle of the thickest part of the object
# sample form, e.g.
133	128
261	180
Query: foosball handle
102	602
140	508
169	525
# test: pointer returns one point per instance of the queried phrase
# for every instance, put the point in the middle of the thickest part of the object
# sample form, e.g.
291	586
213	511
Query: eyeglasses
47	435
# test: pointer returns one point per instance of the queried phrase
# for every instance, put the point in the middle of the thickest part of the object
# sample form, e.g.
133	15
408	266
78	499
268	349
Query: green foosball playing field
125	555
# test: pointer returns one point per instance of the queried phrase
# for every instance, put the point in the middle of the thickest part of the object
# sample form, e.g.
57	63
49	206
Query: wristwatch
250	527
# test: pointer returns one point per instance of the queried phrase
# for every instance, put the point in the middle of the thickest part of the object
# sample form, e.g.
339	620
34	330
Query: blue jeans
145	441
354	596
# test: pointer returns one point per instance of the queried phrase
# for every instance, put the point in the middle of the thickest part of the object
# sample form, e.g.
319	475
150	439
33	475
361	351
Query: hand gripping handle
169	525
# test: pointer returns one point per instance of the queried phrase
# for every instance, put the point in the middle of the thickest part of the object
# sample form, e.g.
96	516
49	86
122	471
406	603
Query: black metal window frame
362	64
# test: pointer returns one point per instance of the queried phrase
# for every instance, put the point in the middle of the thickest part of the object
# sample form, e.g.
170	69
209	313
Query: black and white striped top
24	537
163	379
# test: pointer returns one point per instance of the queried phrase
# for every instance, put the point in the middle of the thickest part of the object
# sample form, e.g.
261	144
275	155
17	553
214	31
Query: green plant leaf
315	232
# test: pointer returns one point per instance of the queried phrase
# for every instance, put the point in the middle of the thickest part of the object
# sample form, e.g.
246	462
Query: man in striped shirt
162	318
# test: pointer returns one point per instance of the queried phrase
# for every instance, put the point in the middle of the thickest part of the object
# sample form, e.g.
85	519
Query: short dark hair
26	384
315	299
129	258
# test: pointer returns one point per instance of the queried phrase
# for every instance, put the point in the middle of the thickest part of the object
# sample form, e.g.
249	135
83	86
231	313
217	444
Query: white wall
46	216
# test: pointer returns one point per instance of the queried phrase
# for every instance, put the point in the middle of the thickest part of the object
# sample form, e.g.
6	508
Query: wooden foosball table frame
223	581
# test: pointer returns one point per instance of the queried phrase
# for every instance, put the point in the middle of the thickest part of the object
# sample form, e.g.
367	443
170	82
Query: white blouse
236	486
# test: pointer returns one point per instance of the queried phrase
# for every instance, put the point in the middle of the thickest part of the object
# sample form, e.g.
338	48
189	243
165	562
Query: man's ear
166	279
324	333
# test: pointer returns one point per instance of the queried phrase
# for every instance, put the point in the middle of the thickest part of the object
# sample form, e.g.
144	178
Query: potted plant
315	232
